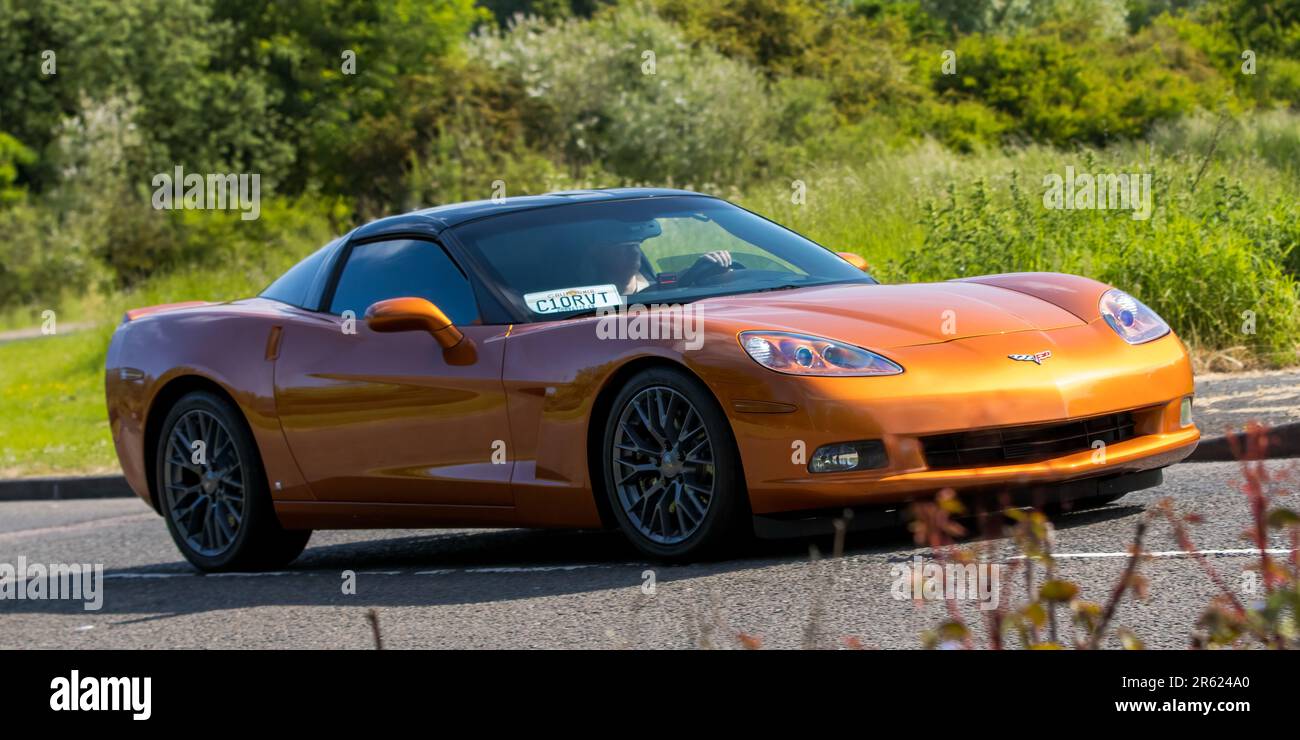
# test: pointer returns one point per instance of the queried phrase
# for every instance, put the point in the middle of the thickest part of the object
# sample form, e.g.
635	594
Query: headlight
801	354
1130	319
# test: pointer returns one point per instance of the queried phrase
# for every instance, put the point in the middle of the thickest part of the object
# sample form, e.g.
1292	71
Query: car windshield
564	261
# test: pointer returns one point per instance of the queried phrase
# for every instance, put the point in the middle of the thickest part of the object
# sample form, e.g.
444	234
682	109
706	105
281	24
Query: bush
1257	141
966	125
777	36
1223	31
1202	262
38	262
143	242
12	155
585	91
1065	88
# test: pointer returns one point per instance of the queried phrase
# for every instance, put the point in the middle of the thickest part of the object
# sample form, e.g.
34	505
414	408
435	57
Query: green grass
56	421
53	406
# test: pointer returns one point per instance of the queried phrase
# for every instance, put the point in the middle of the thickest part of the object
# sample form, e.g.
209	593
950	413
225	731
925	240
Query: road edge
64	487
1283	442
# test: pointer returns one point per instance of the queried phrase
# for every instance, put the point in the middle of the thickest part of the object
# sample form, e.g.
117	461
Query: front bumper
965	384
1146	452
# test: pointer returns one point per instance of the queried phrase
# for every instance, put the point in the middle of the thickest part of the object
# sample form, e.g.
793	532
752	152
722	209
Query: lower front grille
1024	444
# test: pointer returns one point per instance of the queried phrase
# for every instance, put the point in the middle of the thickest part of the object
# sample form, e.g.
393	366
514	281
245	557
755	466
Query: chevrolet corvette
657	361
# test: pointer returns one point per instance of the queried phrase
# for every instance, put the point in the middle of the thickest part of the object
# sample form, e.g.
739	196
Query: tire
674	500
214	496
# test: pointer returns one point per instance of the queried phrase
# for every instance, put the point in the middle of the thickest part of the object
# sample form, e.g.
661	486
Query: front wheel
671	470
213	492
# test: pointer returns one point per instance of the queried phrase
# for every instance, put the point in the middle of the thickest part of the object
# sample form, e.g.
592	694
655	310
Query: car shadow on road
466	567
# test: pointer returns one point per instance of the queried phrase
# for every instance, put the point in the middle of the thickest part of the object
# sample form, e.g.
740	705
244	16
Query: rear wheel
212	490
671	470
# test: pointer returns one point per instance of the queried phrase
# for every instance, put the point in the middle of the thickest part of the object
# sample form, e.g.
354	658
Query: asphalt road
559	589
1227	401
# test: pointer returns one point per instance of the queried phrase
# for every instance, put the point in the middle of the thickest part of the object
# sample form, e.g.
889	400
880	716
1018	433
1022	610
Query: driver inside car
620	264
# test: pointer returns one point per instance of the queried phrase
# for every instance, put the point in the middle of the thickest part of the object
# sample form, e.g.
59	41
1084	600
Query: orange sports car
656	360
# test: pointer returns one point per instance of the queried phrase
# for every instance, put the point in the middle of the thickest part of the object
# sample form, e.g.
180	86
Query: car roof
434	220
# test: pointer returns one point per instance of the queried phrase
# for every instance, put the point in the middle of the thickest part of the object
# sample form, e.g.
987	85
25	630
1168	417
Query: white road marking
537	568
506	569
434	572
1165	553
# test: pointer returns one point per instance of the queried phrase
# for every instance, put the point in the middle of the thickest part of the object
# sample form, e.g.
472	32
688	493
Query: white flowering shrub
627	91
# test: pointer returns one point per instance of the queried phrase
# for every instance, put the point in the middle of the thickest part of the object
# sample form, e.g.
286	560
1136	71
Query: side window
293	286
401	268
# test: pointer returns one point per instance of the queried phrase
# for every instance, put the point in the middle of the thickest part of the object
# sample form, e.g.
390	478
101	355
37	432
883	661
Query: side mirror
418	314
856	260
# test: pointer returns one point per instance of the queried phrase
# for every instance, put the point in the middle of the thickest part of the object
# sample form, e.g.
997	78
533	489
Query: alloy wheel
203	480
663	465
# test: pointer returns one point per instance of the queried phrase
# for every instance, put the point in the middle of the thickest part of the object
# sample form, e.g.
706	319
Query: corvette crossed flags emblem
1036	358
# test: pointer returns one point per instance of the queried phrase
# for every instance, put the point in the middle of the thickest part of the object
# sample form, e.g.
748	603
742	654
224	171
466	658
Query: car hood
885	316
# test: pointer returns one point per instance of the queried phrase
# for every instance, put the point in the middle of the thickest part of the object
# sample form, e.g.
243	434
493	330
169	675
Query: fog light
1185	412
845	456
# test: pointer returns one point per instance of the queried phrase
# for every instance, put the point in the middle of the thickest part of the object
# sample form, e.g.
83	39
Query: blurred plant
707	629
1034	623
1269	619
372	616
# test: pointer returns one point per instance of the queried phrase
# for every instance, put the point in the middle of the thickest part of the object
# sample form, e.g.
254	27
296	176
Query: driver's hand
722	258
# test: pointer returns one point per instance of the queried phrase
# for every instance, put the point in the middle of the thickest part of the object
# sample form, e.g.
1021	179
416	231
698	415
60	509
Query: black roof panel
434	220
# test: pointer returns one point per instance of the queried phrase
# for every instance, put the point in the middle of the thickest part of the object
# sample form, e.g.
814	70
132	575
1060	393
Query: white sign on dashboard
573	299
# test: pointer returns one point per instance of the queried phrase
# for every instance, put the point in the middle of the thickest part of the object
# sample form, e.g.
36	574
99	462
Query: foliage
12	154
31	273
775	35
359	129
1034	624
1060	87
1200	262
590	96
450	101
1269	619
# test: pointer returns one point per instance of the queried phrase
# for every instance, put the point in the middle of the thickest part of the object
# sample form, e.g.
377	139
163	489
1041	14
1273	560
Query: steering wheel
704	268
